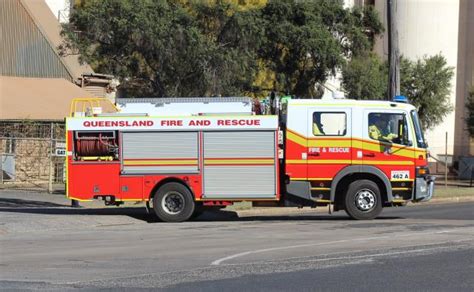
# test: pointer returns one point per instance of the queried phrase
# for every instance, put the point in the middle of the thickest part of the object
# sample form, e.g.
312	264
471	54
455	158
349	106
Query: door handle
369	155
313	154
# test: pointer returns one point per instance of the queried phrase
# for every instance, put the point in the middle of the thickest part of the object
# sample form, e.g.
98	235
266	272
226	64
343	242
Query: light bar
400	98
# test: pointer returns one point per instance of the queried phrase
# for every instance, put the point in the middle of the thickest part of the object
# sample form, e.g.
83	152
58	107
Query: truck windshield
420	139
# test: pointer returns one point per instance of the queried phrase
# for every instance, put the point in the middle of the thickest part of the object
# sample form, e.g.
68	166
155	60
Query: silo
427	28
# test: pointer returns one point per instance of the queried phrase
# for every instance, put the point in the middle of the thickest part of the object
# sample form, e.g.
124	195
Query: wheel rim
172	203
365	200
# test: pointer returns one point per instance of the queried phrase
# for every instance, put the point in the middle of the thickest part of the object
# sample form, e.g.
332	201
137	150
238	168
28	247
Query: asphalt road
45	245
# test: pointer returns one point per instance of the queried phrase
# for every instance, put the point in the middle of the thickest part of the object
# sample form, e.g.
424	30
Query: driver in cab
379	130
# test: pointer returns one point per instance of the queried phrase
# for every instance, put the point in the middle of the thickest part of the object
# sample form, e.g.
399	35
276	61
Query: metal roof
30	38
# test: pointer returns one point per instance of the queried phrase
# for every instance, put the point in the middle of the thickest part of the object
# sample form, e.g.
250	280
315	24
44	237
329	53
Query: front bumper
424	188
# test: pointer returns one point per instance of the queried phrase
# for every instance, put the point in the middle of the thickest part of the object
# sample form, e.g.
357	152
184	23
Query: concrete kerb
243	212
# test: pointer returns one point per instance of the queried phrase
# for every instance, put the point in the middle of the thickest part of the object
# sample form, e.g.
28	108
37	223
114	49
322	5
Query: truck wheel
173	202
363	200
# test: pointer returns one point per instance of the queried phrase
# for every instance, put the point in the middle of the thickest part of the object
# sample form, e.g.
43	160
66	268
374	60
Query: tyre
363	200
173	202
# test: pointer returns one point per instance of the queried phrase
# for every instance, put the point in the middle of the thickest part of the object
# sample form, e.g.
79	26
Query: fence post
472	175
446	161
50	180
1	168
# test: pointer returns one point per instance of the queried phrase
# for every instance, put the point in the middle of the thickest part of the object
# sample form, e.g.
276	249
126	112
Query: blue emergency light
400	98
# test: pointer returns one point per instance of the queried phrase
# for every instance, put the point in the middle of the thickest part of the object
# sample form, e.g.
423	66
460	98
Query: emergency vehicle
313	153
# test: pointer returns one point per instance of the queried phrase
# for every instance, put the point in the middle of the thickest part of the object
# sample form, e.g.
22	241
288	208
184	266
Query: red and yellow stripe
161	162
238	161
355	143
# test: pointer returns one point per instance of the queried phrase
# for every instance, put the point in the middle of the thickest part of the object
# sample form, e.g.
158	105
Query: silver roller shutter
160	152
239	181
239	144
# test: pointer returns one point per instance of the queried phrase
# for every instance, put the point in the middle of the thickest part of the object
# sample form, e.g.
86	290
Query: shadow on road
20	203
140	213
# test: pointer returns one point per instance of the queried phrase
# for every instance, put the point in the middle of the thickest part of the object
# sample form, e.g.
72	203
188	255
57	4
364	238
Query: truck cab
359	156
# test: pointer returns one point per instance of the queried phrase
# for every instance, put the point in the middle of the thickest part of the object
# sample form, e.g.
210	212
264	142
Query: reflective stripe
302	140
402	151
161	162
239	161
398	201
319	161
382	162
311	178
323	201
342	161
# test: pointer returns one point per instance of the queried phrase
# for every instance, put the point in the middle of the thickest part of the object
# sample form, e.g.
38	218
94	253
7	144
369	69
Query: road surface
44	245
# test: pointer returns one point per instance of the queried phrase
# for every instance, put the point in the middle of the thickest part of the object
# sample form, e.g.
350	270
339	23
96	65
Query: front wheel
173	202
363	200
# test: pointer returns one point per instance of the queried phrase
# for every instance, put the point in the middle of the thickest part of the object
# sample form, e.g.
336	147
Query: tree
470	113
162	48
235	32
307	40
365	77
218	47
427	84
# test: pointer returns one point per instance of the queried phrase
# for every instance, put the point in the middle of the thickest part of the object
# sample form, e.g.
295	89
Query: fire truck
352	155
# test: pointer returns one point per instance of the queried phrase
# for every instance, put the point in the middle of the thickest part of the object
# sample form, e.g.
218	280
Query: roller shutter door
239	164
160	152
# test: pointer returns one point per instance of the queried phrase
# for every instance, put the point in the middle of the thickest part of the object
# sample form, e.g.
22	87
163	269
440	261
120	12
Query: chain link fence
32	155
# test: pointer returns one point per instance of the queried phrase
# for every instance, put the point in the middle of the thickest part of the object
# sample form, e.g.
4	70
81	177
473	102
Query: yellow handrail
89	102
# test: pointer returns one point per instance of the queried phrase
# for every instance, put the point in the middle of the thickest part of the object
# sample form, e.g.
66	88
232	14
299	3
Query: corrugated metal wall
24	51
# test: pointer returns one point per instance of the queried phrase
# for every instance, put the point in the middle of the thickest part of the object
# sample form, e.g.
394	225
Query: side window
388	127
329	124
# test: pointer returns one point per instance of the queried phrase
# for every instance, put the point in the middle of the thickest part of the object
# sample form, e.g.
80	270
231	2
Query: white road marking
237	255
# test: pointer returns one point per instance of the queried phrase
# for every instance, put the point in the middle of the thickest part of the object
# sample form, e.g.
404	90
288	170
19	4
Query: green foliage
159	48
427	84
200	48
470	113
307	40
365	77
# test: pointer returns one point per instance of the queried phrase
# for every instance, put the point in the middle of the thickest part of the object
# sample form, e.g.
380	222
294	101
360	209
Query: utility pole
393	52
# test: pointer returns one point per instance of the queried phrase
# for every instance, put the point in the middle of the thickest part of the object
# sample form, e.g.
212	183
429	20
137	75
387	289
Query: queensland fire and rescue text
174	123
357	156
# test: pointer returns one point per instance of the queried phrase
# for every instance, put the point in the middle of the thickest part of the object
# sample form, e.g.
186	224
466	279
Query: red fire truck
357	156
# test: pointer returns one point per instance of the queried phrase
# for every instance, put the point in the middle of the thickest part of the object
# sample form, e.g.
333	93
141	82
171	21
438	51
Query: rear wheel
173	202
363	200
